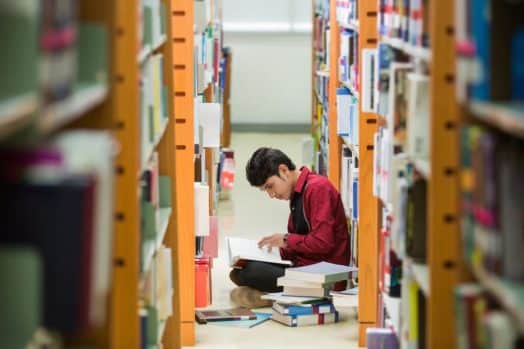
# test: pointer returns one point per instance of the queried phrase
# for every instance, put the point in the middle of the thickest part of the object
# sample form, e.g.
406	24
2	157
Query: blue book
481	28
517	68
355	198
305	320
306	309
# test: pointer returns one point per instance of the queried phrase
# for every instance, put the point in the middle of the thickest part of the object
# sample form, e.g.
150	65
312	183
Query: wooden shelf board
155	143
508	117
509	294
423	166
161	330
149	252
319	99
354	147
17	112
85	98
414	51
144	54
351	89
152	246
161	41
165	214
353	25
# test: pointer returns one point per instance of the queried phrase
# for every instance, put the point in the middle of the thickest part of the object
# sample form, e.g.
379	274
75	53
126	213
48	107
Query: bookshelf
180	74
331	36
368	205
106	96
490	152
426	61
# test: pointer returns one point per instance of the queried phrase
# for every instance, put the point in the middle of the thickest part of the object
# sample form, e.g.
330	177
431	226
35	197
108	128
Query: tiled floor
250	213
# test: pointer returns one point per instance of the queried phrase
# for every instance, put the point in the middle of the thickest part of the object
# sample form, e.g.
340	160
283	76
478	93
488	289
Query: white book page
240	248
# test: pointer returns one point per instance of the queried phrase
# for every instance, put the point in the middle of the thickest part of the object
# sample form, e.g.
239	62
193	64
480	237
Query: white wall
271	80
271	74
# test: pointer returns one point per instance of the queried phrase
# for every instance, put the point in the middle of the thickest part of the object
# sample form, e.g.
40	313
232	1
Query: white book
283	299
322	272
240	250
343	111
201	209
306	292
286	281
305	320
345	299
418	139
394	76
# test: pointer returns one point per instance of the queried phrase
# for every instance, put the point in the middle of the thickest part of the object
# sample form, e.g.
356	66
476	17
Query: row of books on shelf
155	210
321	87
349	171
57	207
156	303
492	201
481	323
348	61
321	42
153	105
347	12
208	54
348	115
490	49
406	20
403	100
322	151
152	28
52	56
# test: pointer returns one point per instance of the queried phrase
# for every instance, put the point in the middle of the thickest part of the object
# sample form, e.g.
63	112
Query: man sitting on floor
317	227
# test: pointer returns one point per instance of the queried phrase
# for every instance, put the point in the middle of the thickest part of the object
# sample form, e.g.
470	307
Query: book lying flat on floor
261	318
305	320
241	250
204	316
294	310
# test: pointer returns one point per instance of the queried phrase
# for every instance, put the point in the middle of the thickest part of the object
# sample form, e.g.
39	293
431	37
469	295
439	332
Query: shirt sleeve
320	204
285	252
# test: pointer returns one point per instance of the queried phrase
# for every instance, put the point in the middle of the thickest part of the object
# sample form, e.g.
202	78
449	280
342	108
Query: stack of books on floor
305	298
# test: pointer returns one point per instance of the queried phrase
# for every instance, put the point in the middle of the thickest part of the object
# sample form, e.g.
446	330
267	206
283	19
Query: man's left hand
275	240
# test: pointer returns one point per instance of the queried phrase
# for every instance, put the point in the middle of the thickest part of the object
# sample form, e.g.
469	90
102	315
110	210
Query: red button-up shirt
328	238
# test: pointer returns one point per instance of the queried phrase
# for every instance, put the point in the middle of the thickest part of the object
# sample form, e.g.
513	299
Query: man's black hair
264	163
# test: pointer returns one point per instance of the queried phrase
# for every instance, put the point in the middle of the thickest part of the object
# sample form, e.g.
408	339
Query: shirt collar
301	181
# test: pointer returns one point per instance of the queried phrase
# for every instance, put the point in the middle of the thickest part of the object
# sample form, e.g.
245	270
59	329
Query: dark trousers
258	275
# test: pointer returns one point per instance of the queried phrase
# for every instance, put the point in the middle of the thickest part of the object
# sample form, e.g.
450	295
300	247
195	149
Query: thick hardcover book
322	272
242	250
203	316
305	309
305	320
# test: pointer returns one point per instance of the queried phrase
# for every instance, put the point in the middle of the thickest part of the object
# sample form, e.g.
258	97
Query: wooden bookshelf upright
182	51
122	118
443	243
368	220
334	140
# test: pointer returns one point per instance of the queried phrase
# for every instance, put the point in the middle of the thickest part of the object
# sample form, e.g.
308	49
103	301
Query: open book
241	250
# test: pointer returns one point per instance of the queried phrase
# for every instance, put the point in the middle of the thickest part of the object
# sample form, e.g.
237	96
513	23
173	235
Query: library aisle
251	214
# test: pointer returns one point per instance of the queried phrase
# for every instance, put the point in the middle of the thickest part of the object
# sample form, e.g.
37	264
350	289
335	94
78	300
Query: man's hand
275	240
